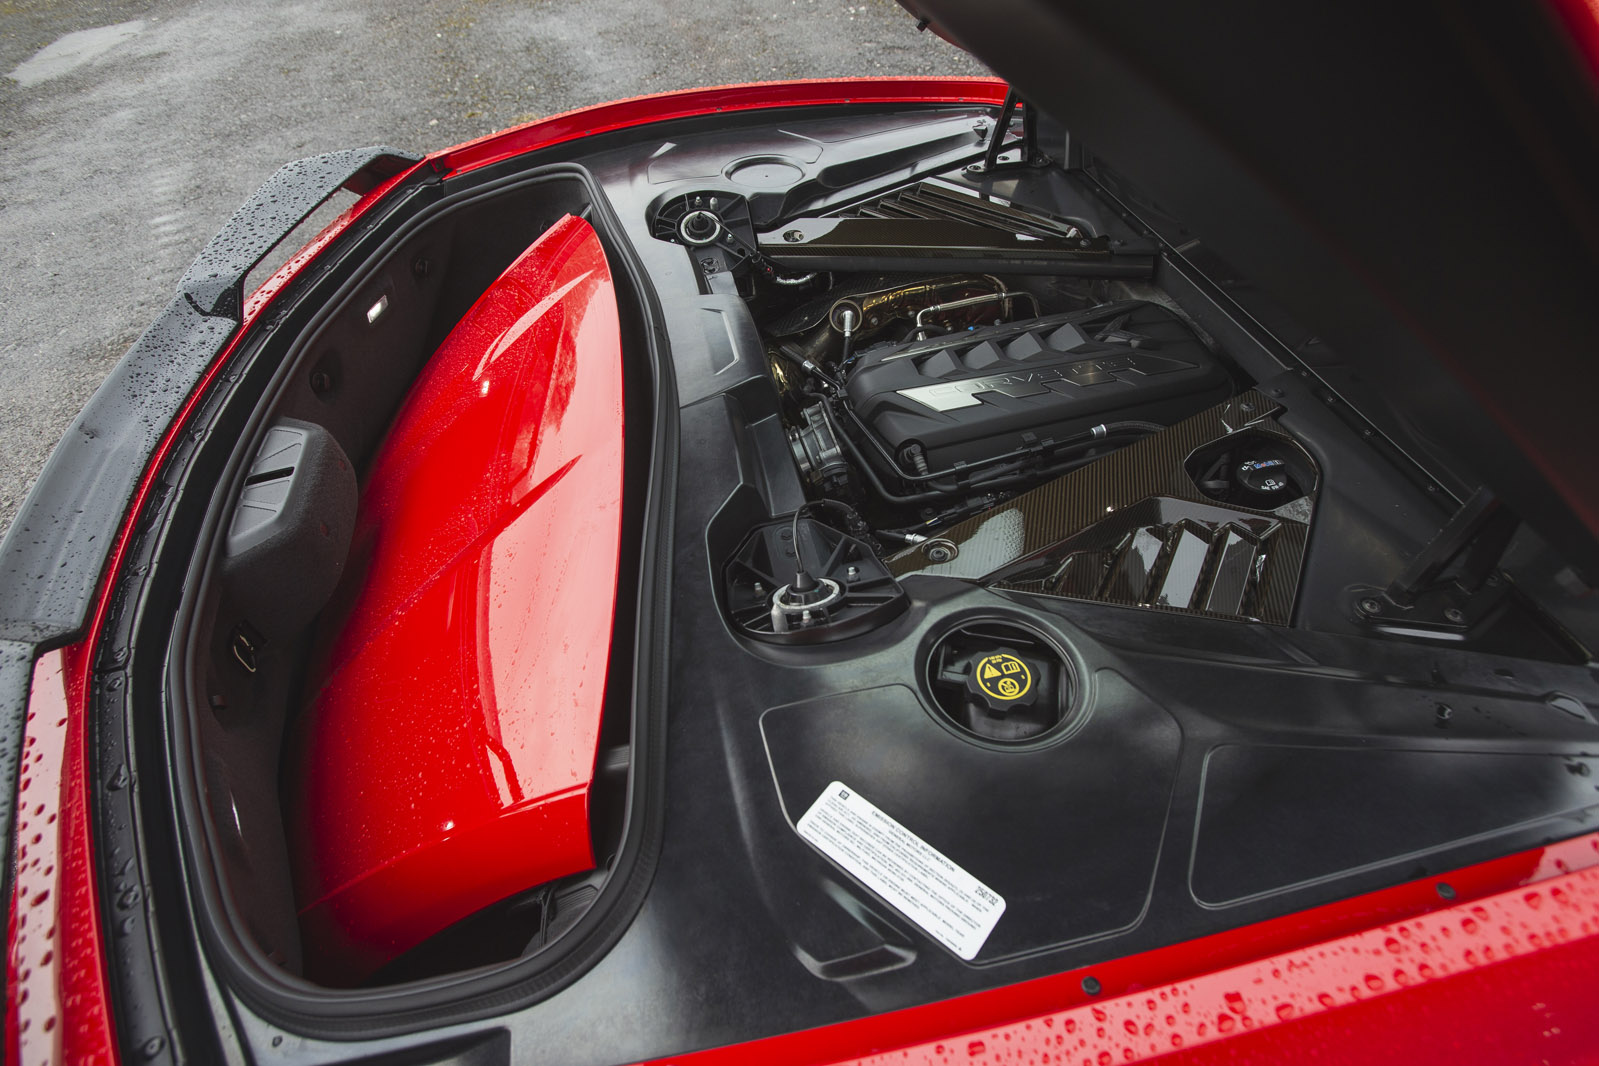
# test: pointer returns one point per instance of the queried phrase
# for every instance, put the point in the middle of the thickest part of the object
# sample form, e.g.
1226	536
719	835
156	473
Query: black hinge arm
1477	535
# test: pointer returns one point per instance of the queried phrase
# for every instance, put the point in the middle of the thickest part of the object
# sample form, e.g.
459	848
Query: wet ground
130	131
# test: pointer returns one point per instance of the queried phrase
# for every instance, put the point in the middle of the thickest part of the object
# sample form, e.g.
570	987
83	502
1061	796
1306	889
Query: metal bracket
1030	154
1422	600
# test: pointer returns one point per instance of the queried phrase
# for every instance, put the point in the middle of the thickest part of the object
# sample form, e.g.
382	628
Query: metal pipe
1007	295
955	305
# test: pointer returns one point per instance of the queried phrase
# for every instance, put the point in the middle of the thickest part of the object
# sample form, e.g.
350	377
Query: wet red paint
445	762
70	985
661	107
1507	967
1532	1006
56	1005
75	985
268	290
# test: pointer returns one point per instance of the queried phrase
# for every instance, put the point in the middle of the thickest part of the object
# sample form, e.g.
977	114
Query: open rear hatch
1413	182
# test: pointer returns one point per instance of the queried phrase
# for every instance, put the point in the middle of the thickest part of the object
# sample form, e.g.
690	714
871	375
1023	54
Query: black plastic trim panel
52	557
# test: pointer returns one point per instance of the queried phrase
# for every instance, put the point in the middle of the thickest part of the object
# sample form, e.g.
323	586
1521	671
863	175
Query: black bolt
794	236
1454	615
1446	890
1091	986
1443	714
1370	605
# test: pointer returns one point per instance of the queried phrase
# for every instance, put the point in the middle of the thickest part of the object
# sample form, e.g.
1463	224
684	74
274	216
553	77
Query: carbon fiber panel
1134	529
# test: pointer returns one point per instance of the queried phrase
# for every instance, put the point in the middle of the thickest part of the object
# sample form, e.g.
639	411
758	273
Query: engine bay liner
908	462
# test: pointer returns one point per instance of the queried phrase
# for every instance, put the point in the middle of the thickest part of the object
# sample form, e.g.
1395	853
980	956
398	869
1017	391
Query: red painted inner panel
445	759
1509	976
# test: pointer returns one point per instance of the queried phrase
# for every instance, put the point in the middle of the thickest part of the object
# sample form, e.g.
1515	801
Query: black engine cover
971	396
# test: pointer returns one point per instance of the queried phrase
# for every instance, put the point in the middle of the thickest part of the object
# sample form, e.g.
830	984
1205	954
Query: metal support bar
1001	128
1479	532
1030	157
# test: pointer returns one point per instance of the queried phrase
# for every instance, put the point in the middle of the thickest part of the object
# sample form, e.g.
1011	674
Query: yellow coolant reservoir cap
1002	679
999	681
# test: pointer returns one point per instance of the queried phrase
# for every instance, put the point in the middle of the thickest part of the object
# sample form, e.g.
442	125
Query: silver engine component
816	449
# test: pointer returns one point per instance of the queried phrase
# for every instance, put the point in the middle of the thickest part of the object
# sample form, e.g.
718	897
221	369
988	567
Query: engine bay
1065	433
997	510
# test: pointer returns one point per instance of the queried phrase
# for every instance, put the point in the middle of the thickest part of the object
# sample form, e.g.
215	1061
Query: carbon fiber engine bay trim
1136	529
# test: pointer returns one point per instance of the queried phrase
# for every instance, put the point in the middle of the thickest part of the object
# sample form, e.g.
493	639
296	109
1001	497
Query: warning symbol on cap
1003	676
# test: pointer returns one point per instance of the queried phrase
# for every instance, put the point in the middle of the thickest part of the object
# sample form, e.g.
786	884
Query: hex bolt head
1370	605
1454	616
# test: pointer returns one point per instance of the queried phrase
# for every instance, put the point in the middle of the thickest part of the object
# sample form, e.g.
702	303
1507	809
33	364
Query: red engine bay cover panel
445	758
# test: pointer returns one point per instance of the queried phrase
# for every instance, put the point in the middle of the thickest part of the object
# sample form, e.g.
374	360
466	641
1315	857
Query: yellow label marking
1003	676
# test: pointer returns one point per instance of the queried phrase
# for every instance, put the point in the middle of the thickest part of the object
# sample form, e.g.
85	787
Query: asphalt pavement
130	131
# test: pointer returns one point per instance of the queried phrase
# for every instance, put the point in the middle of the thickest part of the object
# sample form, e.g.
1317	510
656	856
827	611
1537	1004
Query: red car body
1492	962
509	449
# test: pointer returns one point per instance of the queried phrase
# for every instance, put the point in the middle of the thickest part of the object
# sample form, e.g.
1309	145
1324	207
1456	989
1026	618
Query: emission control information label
955	908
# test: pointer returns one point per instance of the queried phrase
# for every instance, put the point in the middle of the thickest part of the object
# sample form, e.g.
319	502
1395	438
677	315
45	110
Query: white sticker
955	908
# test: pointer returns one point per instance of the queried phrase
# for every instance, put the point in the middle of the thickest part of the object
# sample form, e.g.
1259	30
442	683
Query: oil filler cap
1265	476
